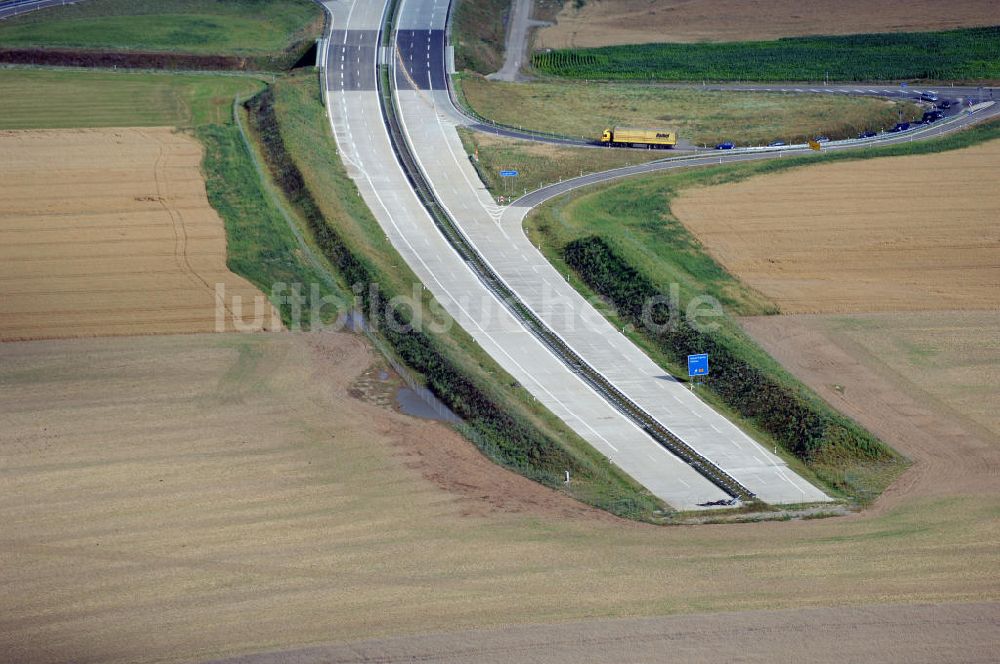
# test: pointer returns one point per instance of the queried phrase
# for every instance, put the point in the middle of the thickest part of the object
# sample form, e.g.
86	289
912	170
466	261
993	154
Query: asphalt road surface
17	7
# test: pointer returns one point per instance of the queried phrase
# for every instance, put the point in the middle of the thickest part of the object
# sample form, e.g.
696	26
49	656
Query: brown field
914	233
109	231
927	383
609	22
177	498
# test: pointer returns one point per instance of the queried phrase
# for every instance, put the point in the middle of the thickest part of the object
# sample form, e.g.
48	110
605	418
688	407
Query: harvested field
914	233
925	633
109	232
181	498
926	383
611	22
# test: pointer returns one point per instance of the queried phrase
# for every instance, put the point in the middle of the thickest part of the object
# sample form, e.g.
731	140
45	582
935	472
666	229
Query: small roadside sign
508	174
815	145
698	365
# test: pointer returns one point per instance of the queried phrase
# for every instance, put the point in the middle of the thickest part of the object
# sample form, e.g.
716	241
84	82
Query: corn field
954	55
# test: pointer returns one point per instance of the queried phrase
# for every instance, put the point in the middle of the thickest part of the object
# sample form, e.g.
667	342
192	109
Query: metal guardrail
521	311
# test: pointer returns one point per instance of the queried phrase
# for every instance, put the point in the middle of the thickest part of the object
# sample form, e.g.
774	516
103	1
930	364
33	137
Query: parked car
822	139
725	146
931	116
867	134
776	144
928	96
901	126
945	105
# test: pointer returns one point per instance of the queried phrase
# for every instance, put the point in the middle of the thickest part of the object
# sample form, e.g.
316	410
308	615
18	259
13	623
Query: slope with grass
539	164
699	116
270	33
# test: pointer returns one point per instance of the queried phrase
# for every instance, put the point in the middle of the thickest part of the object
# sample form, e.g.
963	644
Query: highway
10	8
354	111
429	118
502	290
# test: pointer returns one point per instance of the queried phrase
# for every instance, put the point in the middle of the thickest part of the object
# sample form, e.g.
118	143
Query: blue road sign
508	174
698	365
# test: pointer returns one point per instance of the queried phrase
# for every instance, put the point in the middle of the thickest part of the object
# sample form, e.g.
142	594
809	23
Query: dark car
725	146
901	126
867	134
945	105
822	139
929	96
932	116
776	144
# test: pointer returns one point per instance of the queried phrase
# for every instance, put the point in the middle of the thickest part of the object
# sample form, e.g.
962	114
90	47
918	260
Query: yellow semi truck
630	137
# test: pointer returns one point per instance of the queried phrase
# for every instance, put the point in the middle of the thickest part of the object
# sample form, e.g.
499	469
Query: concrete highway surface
428	119
353	106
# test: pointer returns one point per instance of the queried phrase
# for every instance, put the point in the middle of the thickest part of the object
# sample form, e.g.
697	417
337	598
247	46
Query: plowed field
186	498
109	231
605	23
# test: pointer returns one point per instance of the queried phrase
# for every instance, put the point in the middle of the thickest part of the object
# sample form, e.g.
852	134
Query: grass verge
622	243
274	33
699	116
540	164
500	417
478	34
971	54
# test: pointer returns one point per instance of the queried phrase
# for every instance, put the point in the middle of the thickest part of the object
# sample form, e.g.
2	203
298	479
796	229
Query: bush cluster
799	423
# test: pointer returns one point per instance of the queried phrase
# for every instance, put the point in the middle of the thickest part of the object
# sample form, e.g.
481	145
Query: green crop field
239	27
47	99
960	55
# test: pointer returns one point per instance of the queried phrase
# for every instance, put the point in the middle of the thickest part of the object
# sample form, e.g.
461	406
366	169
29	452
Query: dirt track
608	22
109	231
894	234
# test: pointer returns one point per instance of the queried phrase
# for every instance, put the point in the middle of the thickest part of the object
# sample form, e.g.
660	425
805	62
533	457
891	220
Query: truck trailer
630	137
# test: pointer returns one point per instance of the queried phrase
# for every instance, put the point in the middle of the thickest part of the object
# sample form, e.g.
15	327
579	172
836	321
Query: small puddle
421	403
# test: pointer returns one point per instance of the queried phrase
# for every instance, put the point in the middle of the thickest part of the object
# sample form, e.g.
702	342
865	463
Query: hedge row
61	57
801	424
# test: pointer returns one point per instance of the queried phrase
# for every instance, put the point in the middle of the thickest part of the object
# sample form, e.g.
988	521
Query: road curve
429	119
354	111
520	207
11	8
